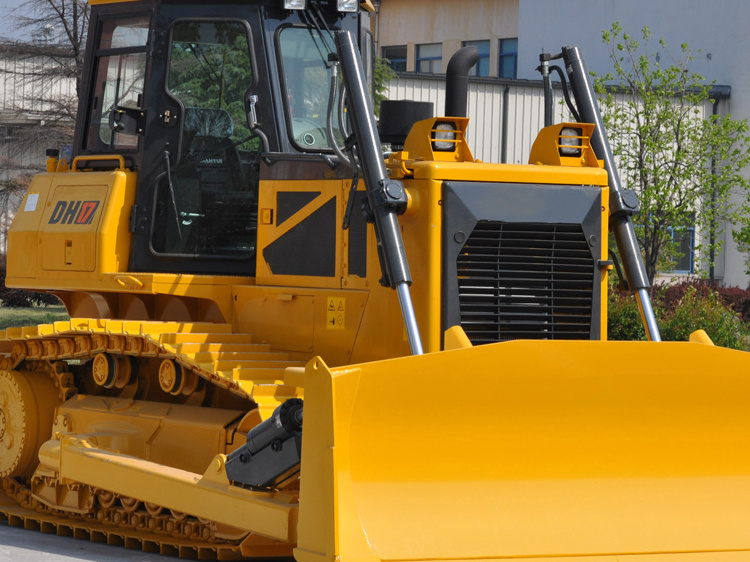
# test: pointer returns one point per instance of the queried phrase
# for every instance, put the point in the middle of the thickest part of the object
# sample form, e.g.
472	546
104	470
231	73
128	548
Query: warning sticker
31	202
335	313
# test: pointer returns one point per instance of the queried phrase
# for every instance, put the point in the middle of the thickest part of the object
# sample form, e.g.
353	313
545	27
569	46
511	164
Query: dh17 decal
74	212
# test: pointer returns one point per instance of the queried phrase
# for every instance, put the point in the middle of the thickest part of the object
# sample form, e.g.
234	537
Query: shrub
667	297
624	318
21	298
738	300
700	309
682	309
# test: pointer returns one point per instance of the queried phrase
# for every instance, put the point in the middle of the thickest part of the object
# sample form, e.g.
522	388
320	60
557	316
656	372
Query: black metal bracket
273	449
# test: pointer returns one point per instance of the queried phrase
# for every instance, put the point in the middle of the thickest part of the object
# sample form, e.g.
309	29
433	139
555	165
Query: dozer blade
531	450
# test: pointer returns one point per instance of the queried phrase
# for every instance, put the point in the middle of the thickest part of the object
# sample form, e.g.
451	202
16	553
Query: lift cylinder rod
386	198
621	203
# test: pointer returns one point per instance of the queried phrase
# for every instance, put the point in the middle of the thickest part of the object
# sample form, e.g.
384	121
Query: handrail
98	157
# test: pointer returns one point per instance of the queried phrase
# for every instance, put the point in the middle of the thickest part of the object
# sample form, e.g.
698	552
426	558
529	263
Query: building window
430	58
508	56
396	56
482	68
684	245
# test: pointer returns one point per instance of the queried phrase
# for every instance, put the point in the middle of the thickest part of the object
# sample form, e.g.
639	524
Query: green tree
686	166
50	54
381	77
212	74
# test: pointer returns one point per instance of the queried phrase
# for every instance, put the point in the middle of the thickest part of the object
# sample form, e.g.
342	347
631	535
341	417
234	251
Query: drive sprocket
27	408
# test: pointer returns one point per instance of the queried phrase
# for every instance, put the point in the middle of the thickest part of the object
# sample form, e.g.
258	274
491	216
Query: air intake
522	261
525	281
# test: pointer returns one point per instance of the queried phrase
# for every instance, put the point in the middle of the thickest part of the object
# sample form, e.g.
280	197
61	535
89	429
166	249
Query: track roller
111	371
174	379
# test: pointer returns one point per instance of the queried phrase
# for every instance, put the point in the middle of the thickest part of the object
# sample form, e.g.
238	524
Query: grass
11	316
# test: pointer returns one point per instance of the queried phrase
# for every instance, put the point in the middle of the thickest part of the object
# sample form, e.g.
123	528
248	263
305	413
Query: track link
211	352
163	533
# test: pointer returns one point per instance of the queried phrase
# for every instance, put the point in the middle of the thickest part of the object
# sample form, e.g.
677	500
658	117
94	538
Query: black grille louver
525	281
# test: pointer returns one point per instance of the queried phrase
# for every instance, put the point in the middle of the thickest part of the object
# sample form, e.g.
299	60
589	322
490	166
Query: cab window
120	74
304	57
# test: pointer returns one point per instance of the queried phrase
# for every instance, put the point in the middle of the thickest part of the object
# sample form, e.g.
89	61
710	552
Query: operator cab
204	107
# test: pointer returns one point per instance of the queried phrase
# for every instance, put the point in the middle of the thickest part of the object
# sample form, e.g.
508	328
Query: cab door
196	205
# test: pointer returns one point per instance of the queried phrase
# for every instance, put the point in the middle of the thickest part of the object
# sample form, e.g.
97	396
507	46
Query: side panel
302	321
23	235
71	229
299	233
68	225
421	229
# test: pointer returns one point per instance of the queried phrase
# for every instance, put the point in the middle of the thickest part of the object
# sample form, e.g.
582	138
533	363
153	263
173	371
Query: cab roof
363	4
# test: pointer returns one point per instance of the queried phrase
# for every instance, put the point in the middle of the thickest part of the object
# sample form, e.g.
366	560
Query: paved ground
20	545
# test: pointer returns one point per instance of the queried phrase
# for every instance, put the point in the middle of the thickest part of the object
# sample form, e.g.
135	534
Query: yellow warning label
335	313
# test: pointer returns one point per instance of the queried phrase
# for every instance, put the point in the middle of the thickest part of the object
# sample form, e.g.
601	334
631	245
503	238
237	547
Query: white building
31	92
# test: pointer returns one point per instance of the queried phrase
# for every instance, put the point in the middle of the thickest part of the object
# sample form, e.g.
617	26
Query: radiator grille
525	281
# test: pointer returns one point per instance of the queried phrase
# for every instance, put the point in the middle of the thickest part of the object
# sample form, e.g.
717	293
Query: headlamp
571	141
444	137
348	5
295	4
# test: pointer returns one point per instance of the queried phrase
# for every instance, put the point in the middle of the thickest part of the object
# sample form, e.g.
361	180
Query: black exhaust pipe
457	80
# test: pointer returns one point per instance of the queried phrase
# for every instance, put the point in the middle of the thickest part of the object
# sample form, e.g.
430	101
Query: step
179	337
244	356
193	348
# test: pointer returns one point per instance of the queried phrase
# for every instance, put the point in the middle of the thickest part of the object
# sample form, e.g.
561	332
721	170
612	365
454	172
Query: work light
348	5
295	4
444	137
570	141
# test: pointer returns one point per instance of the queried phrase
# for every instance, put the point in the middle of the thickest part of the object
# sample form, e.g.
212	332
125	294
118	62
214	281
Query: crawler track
196	364
211	352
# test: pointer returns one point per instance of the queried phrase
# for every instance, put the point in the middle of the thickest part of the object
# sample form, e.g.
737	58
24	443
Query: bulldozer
285	342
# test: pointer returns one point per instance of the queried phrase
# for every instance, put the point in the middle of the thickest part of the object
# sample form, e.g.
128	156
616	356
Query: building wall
30	89
29	84
448	22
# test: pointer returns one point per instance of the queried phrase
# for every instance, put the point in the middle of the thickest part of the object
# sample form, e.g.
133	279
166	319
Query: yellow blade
528	449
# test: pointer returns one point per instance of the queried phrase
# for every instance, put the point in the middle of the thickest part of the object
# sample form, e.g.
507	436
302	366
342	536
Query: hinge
138	219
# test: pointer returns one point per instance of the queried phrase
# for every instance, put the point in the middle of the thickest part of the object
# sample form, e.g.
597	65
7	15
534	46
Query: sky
6	18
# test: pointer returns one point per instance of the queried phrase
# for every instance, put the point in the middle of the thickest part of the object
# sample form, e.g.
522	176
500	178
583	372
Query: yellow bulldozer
284	342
